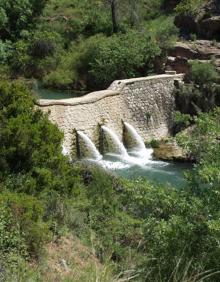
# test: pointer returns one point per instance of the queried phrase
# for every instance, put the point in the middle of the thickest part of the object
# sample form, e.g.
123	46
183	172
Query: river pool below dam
161	172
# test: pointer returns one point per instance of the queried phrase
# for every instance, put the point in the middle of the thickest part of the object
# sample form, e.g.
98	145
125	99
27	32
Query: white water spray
137	138
117	144
139	149
92	152
65	152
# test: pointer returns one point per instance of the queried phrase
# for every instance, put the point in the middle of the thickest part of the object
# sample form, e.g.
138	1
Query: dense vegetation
200	93
66	43
140	231
157	233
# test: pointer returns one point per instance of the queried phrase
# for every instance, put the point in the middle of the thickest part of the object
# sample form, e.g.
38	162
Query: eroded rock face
210	27
170	5
205	24
182	52
199	49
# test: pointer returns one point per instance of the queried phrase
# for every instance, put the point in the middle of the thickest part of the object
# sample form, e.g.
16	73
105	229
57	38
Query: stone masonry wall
146	103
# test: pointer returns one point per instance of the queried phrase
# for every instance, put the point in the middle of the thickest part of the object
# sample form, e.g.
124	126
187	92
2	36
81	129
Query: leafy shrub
22	229
203	73
200	93
21	52
31	159
45	44
163	30
153	8
100	60
154	143
5	51
182	121
121	57
189	7
17	16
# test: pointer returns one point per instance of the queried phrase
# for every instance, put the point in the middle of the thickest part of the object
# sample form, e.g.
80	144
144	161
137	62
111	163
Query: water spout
136	143
65	152
87	147
133	138
114	144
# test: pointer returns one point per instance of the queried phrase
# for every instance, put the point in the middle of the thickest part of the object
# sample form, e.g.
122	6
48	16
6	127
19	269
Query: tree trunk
134	19
114	16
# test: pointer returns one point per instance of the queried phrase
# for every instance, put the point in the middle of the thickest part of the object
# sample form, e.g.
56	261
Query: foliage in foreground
147	231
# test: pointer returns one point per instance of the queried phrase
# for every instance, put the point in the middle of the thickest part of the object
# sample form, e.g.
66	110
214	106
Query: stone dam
147	103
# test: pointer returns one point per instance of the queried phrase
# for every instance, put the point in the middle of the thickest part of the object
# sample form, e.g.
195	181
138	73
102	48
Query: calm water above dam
52	94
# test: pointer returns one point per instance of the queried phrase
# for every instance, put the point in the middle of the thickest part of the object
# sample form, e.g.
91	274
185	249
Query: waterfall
114	144
87	147
136	139
65	152
136	143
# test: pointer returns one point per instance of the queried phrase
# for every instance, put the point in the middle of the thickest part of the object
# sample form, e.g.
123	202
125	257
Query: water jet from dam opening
86	148
136	154
113	143
134	162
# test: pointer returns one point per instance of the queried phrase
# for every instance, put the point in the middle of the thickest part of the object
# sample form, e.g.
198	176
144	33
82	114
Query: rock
205	23
187	25
180	65
210	28
170	5
170	152
183	52
199	49
170	72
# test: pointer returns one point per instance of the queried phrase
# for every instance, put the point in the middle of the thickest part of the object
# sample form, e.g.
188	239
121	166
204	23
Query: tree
17	16
113	4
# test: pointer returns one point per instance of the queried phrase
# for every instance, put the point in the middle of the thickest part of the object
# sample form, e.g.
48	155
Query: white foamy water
119	148
135	136
138	159
65	152
90	146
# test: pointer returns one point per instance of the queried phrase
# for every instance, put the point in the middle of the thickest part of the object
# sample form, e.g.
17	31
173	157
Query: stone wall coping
113	90
121	83
87	99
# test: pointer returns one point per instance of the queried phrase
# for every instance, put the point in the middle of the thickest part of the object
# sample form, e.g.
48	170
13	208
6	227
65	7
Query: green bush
203	73
122	57
32	159
154	143
100	60
17	16
181	121
22	229
200	93
163	30
5	51
189	7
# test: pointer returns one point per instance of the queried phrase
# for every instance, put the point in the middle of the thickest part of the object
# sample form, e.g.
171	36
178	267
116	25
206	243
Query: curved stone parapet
87	99
147	103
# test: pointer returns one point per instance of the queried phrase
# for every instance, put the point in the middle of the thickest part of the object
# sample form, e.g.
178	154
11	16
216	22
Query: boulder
199	49
183	52
170	151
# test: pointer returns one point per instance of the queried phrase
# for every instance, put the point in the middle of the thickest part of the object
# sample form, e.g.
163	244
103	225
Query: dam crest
147	103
